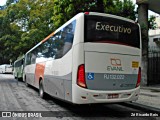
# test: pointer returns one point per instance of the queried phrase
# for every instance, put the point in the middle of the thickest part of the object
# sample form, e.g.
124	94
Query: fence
153	68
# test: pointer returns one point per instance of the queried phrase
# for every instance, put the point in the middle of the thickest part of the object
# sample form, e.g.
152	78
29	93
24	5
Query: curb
142	107
149	94
151	88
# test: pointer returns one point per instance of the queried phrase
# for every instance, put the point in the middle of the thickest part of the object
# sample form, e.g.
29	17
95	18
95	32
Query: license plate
113	96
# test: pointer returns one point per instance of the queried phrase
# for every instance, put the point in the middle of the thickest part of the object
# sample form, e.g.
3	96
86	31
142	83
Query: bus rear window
111	30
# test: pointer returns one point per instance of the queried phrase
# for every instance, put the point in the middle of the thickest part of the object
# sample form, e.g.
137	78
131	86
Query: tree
66	9
123	8
151	22
24	25
9	2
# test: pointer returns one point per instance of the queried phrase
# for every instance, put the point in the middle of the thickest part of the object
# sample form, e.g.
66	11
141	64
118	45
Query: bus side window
58	45
33	58
28	59
70	29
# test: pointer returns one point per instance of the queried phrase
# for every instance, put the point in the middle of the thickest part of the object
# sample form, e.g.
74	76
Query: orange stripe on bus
45	39
39	72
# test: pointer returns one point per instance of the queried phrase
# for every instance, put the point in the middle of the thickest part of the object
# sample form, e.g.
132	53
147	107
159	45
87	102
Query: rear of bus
107	63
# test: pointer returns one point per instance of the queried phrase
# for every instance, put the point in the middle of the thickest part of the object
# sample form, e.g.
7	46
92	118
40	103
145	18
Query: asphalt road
24	103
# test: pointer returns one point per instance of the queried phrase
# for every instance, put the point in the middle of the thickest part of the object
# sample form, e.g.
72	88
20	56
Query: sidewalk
150	96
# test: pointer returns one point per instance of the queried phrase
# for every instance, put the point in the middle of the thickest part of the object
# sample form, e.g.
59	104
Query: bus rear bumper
85	96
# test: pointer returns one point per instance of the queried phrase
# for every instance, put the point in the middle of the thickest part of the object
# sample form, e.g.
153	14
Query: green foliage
66	9
151	22
123	8
24	25
9	2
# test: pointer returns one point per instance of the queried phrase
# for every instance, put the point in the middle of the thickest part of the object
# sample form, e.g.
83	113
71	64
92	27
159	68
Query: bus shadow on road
90	110
87	110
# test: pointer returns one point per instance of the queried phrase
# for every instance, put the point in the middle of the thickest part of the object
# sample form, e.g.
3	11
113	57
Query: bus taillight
139	77
81	76
87	13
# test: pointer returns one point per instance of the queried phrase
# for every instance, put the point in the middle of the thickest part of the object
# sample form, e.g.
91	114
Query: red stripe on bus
45	39
39	72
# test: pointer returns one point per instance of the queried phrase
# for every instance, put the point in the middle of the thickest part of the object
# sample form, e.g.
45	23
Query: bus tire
17	77
41	90
25	81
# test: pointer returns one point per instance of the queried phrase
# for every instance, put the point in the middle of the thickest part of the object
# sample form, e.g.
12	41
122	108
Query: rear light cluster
139	77
81	76
87	13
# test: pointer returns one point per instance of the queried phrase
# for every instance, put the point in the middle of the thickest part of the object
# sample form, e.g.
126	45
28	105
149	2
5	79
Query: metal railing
153	68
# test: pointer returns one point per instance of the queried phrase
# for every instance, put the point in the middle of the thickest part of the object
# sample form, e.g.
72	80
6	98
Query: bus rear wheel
26	83
41	90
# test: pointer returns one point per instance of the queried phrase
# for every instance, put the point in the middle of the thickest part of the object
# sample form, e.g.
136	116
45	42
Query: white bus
92	58
18	68
5	68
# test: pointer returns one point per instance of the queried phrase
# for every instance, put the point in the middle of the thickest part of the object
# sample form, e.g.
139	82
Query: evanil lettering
114	68
106	27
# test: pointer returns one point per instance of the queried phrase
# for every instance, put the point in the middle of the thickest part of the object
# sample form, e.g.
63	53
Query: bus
92	58
6	68
18	68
